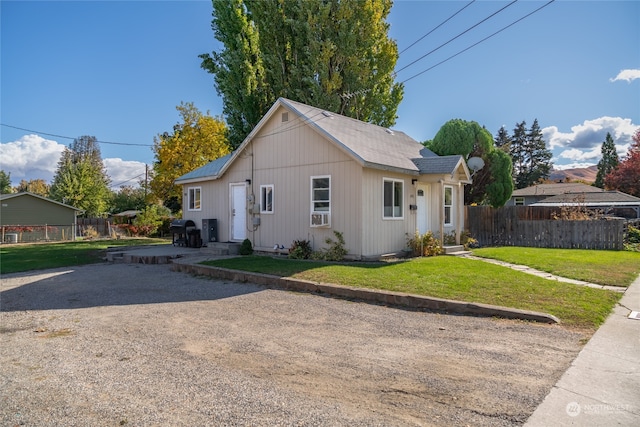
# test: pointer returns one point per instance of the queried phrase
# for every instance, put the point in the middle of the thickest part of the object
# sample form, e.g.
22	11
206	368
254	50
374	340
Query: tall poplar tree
334	55
81	179
608	162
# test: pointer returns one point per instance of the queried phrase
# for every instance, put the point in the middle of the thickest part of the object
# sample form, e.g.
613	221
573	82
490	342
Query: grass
613	268
451	278
38	256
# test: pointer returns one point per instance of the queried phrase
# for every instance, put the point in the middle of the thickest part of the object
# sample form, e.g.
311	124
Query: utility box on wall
210	230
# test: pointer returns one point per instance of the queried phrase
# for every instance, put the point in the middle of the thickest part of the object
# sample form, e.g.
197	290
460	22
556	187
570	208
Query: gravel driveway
140	345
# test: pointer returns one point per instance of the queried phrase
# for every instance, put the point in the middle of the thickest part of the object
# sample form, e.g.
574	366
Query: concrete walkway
602	385
543	274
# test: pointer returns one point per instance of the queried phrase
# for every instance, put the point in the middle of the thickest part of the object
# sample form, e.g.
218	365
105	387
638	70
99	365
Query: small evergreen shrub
300	249
246	248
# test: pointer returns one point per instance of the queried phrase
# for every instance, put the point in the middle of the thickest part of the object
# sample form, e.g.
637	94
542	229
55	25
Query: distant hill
586	175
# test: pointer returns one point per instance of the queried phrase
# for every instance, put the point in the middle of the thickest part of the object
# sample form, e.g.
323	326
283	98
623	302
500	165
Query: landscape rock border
373	295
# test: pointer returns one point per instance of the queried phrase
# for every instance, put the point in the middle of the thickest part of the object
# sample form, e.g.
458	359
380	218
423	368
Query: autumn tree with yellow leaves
196	141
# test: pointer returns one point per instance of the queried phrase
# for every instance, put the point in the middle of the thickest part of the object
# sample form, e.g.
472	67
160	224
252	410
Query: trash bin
195	241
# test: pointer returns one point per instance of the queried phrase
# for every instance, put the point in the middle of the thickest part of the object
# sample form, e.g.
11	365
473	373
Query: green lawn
37	256
614	268
451	278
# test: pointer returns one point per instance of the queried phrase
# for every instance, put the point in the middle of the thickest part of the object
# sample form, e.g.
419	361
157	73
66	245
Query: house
28	217
536	193
303	173
613	203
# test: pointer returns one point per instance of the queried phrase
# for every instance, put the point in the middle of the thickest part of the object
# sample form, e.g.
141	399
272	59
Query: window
266	199
195	198
393	191
320	201
518	201
448	204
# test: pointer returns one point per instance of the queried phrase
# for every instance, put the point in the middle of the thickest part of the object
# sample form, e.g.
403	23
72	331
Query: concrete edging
347	292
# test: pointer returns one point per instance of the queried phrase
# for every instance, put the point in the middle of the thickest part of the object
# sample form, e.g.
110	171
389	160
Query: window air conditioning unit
320	219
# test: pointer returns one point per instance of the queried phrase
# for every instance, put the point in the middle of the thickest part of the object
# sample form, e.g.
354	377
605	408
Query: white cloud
585	140
30	157
124	172
33	157
628	75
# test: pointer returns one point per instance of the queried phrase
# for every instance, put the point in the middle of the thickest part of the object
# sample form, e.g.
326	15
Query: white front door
238	212
422	201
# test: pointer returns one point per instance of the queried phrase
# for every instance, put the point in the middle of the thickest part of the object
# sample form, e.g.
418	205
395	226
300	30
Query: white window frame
194	198
323	212
397	211
448	205
518	201
265	192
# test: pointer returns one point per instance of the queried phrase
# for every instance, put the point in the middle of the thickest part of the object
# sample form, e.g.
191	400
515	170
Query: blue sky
117	70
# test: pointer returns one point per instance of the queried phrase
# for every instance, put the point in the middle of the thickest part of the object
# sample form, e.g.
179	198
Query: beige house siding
29	210
286	154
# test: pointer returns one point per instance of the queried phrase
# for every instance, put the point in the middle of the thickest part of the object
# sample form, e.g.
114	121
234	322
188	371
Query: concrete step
221	248
448	250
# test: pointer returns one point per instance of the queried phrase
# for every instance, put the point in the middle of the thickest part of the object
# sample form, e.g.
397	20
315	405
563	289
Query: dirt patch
147	346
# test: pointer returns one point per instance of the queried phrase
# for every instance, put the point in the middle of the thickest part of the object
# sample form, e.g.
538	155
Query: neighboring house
28	209
608	202
303	173
536	193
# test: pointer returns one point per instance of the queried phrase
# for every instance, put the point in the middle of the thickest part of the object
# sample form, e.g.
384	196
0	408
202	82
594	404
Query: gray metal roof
603	198
210	170
371	145
553	189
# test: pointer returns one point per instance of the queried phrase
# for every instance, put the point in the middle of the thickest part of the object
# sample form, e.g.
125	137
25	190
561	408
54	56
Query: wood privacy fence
533	227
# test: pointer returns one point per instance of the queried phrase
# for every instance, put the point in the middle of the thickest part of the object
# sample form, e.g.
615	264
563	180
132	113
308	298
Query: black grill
185	233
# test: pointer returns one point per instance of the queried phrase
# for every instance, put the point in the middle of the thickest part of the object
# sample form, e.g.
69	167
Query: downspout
459	212
441	214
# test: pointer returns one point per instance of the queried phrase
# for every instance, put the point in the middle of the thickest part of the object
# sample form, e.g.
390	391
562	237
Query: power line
454	38
477	43
69	137
439	25
124	182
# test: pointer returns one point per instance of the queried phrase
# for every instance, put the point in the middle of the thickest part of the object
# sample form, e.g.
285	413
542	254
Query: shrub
148	220
246	248
90	232
424	244
633	234
336	250
300	249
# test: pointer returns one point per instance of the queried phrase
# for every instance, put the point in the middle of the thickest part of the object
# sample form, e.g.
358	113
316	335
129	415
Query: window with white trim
448	205
266	199
518	201
195	201
320	201
393	190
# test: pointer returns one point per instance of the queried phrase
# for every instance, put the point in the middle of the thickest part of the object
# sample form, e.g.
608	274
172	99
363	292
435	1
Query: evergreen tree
503	140
81	180
334	55
517	151
530	155
5	182
608	162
